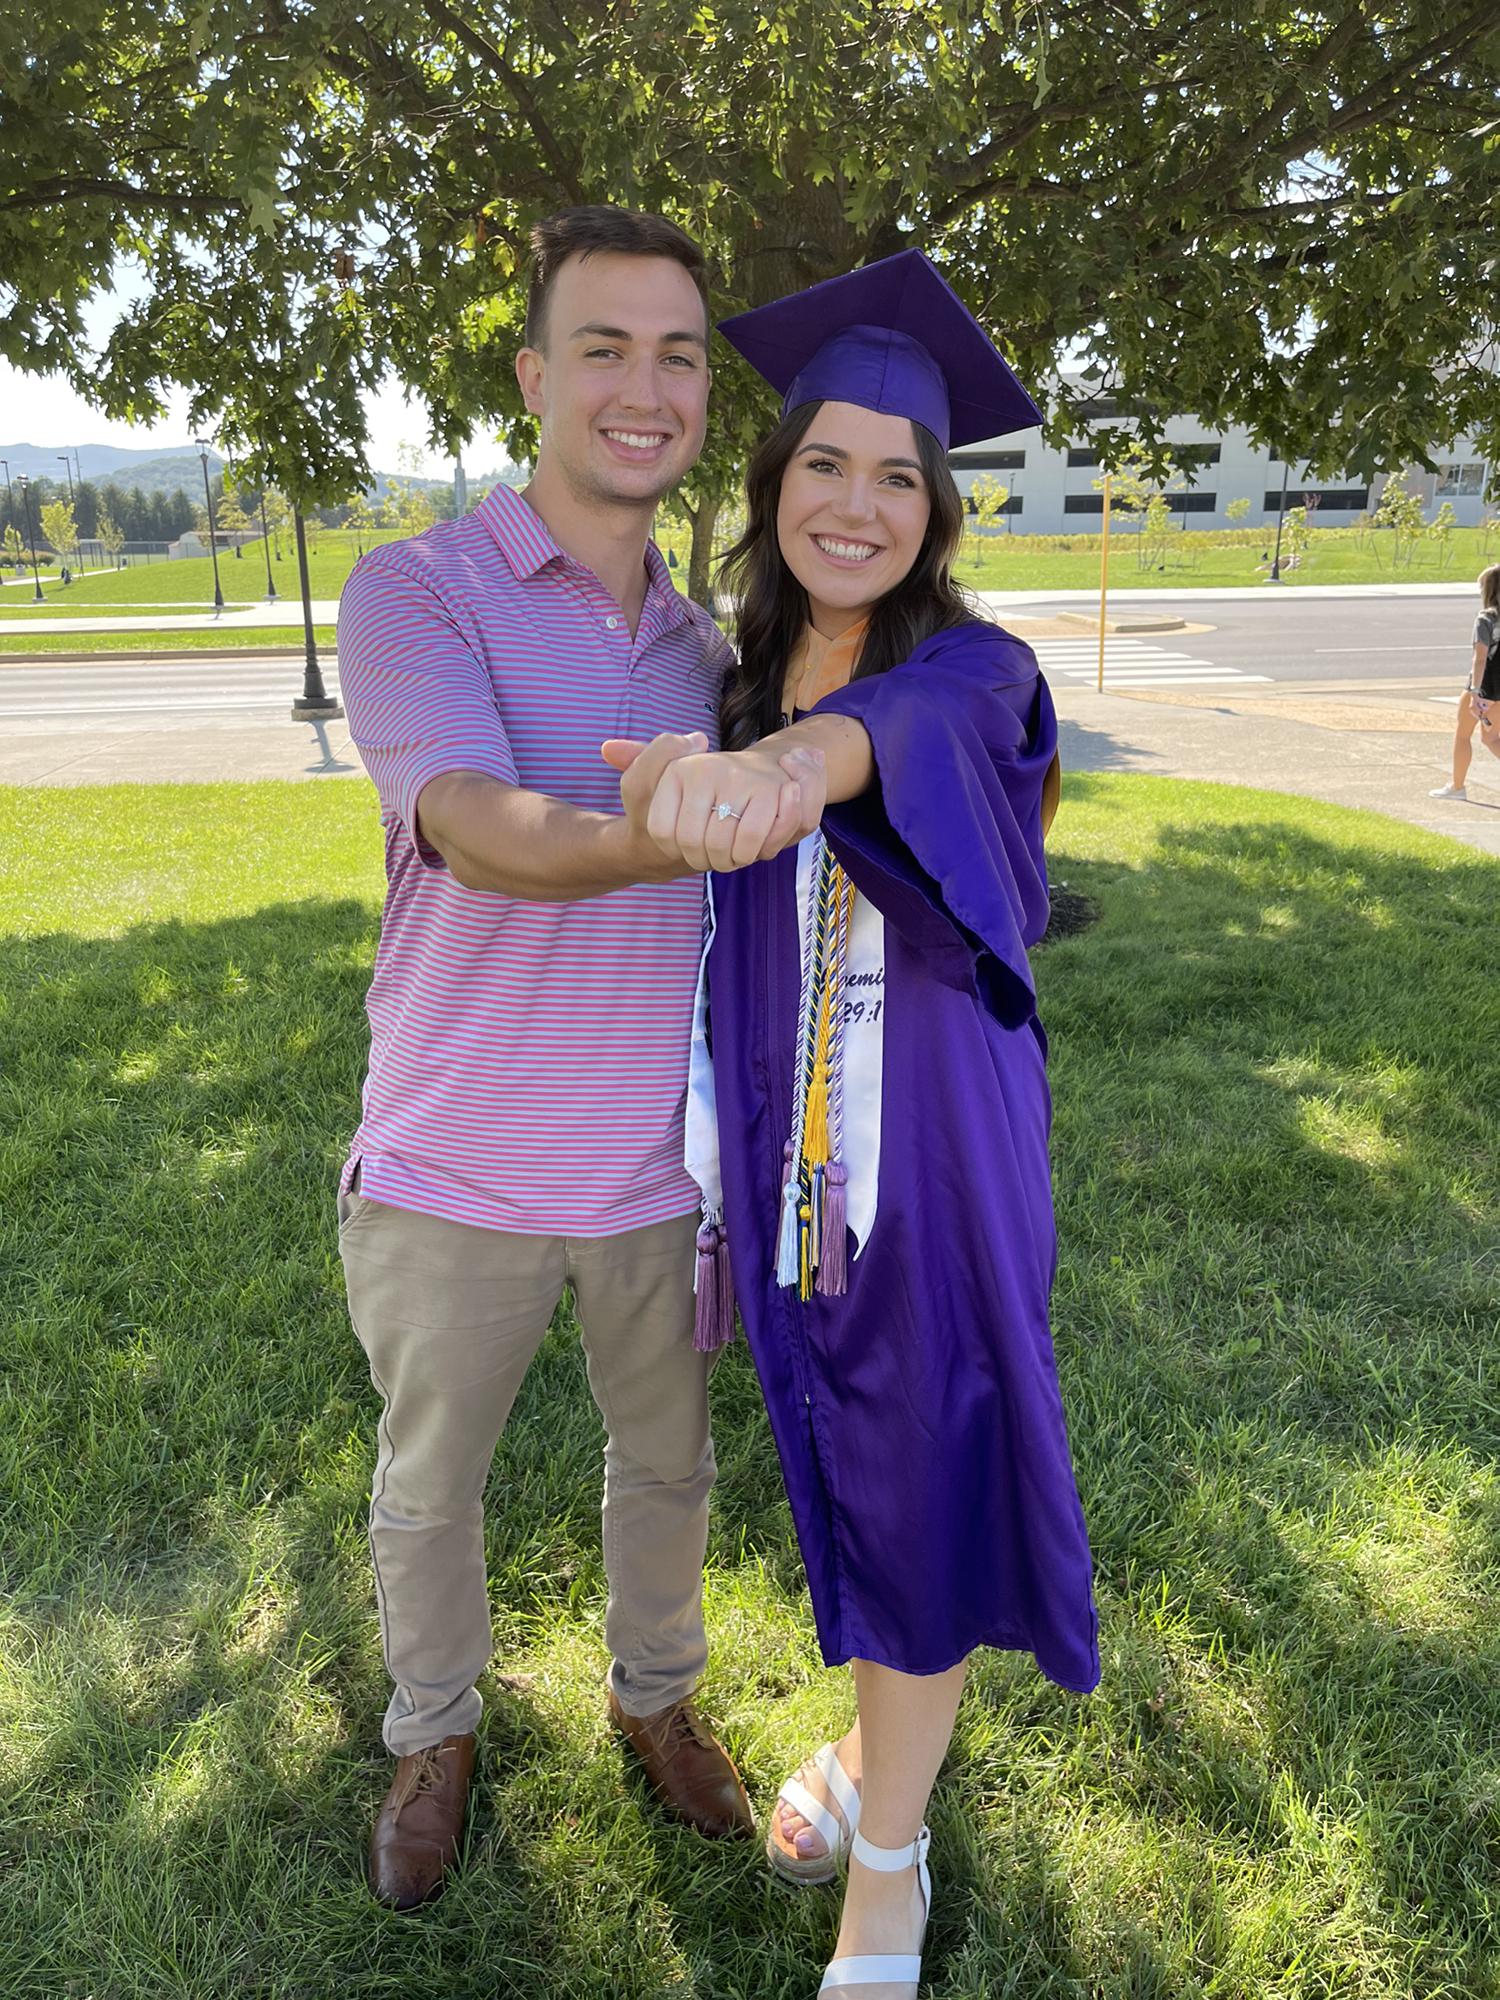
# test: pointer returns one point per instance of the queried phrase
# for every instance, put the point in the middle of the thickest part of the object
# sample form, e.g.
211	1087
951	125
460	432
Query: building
1052	490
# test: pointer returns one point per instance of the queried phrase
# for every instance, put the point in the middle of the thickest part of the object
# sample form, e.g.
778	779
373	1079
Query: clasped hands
672	789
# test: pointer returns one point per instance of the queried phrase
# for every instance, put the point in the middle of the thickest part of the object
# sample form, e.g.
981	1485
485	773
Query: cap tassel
833	1266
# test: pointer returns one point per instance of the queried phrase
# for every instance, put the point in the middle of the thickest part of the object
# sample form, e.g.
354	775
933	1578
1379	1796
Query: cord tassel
706	1290
833	1266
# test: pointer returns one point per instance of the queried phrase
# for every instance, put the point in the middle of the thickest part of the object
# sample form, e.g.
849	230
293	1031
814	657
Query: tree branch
520	90
61	188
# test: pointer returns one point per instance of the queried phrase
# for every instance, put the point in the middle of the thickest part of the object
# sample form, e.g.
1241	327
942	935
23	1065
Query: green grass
1006	562
287	638
1198	560
1278	1326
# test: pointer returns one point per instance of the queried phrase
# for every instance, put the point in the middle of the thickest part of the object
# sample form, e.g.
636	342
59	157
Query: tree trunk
700	583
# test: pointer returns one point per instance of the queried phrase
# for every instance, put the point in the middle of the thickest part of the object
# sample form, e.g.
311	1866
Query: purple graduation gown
917	1417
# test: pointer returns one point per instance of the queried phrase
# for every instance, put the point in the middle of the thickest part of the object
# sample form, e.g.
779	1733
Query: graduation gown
917	1416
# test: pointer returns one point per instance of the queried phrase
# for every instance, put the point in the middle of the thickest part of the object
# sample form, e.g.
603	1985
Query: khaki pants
450	1317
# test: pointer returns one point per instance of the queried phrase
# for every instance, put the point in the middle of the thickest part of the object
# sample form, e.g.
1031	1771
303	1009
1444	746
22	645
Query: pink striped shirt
528	1061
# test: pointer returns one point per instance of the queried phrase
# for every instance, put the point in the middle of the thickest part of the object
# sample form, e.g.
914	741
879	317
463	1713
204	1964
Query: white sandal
885	1968
836	1833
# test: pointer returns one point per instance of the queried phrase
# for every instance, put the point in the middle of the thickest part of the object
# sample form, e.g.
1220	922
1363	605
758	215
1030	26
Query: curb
1165	622
146	655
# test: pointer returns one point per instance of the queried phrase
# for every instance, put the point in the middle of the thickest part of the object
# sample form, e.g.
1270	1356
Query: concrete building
1052	490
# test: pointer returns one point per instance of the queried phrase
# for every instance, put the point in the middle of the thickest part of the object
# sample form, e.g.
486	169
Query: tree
987	498
112	536
230	517
1257	214
59	528
1400	510
361	519
1440	533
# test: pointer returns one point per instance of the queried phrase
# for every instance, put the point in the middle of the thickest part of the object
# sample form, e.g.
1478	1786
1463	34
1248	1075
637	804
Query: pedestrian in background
1479	704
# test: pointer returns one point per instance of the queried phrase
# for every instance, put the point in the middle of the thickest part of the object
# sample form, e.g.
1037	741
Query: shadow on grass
1276	1318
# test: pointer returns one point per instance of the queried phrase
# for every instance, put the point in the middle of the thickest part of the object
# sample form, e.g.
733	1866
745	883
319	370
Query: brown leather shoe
416	1835
688	1768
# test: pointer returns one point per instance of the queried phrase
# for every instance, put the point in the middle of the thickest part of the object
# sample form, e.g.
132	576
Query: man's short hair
579	232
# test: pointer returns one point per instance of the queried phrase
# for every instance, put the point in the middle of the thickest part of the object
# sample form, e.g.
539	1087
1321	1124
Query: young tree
59	528
987	498
1440	533
1400	510
112	535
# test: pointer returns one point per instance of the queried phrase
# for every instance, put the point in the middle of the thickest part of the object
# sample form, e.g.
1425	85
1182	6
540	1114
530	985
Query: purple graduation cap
892	336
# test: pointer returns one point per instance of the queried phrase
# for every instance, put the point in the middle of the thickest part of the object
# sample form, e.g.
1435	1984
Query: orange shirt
817	666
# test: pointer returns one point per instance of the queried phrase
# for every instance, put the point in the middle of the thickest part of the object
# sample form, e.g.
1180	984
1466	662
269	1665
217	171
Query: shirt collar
523	539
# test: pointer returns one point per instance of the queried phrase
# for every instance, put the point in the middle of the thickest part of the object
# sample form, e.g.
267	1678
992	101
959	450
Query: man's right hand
779	801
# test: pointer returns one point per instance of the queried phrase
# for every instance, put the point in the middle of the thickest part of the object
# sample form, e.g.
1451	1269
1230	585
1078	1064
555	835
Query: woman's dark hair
1489	587
773	604
583	232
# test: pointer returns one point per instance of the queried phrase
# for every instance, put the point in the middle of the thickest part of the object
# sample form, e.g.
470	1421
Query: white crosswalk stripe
156	688
1134	663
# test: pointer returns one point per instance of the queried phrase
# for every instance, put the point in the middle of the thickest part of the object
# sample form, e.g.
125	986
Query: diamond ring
724	811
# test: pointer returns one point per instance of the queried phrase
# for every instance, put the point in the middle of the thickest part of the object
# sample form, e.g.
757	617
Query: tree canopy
1275	212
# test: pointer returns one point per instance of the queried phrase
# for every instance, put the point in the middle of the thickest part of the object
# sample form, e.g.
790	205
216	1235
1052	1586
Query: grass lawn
1278	1323
1005	562
287	638
1195	561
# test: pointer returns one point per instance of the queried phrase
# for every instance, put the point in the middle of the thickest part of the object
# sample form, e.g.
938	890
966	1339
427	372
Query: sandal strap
796	1795
889	1860
888	1968
838	1781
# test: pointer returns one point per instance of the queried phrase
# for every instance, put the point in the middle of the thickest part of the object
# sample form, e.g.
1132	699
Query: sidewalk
288	610
1379	745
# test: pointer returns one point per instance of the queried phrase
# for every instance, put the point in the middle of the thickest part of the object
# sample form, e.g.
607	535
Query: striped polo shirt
528	1061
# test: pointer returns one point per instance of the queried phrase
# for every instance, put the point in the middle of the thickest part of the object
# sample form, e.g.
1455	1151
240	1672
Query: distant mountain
163	470
157	471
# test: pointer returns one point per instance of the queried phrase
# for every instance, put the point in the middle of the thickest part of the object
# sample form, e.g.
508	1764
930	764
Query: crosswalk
152	689
1133	663
122	693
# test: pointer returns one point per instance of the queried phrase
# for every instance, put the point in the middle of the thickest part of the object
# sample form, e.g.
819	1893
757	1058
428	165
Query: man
530	1022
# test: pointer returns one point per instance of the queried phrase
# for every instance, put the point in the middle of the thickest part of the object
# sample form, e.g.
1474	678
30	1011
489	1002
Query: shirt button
610	624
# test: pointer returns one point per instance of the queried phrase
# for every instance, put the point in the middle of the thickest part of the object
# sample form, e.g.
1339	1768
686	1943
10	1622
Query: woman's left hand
773	800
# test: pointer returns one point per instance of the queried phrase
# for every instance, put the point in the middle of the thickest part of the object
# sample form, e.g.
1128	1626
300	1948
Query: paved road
1292	638
142	693
1338	642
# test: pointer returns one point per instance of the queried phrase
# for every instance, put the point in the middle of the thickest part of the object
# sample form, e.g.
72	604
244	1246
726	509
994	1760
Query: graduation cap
892	336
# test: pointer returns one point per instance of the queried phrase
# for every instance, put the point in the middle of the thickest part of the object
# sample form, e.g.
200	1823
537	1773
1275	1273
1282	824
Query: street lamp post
36	572
265	543
73	510
1286	468
316	704
213	544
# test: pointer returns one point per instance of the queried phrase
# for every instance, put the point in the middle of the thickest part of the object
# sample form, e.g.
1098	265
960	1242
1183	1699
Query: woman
877	1066
1479	704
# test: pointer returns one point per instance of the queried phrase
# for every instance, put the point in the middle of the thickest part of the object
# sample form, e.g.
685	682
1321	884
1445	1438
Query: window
987	461
1348	499
1083	503
1077	458
1191	455
1192	503
1464	481
1013	504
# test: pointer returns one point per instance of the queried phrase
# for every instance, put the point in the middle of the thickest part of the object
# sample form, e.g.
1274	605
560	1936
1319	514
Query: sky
46	410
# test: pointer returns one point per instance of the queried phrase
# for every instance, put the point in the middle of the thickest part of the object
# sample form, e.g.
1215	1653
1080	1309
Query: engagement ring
725	812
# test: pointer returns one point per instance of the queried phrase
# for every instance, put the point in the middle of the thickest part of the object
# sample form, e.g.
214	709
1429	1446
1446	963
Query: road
1334	642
